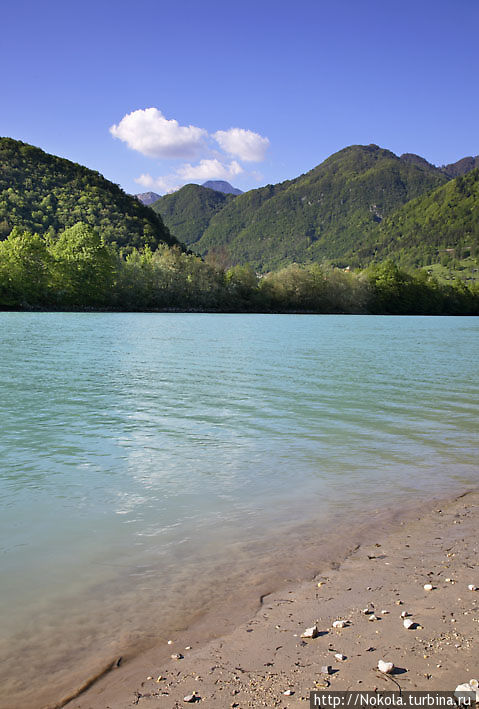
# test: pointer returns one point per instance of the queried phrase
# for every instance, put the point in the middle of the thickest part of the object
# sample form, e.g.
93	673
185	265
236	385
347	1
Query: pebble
384	612
373	617
340	657
170	642
288	693
148	678
340	624
471	587
191	697
326	669
428	586
385	667
311	632
408	623
177	656
404	614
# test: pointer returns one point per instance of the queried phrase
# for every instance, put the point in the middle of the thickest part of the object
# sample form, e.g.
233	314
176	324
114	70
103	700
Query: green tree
84	267
25	266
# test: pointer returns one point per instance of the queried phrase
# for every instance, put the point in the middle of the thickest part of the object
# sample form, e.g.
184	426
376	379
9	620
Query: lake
152	464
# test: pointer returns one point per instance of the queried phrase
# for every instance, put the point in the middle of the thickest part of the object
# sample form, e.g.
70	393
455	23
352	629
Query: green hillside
46	194
332	212
188	211
440	226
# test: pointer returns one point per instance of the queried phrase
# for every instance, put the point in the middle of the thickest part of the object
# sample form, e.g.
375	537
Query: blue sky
298	80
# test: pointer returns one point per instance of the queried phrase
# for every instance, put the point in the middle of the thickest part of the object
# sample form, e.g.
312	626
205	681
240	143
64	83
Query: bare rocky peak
148	197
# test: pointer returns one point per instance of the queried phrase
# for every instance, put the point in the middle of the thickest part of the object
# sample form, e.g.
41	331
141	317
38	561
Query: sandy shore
260	660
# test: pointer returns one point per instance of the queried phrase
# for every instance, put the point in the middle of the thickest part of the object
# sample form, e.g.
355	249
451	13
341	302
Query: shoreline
231	311
267	645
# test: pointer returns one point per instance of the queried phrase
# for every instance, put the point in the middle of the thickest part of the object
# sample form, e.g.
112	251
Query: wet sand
254	664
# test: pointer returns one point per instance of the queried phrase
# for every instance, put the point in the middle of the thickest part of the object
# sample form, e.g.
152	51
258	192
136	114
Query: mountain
455	169
461	167
443	222
147	197
46	194
414	159
188	211
222	186
331	212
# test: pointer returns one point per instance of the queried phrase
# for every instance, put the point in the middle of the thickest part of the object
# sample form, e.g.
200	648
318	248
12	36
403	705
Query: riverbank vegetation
78	270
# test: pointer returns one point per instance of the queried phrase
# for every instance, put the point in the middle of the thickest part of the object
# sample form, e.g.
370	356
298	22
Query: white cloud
145	180
209	170
244	144
165	184
150	133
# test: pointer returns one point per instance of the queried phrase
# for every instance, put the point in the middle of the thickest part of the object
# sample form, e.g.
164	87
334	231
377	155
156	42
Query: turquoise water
142	453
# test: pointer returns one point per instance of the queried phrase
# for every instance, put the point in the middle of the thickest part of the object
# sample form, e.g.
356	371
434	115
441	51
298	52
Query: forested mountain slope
442	222
332	212
46	194
188	211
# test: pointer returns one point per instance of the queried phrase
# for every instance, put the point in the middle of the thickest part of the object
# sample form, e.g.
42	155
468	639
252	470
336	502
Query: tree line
78	270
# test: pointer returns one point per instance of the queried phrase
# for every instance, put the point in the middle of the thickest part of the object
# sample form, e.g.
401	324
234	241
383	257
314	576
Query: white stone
428	586
340	624
461	689
471	587
340	657
474	685
385	667
408	623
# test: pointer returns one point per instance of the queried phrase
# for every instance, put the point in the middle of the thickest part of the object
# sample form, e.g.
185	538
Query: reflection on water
144	452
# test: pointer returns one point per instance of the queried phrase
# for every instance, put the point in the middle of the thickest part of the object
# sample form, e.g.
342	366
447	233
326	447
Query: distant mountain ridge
222	186
461	167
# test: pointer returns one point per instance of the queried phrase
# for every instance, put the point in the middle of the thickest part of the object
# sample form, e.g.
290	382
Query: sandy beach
265	662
